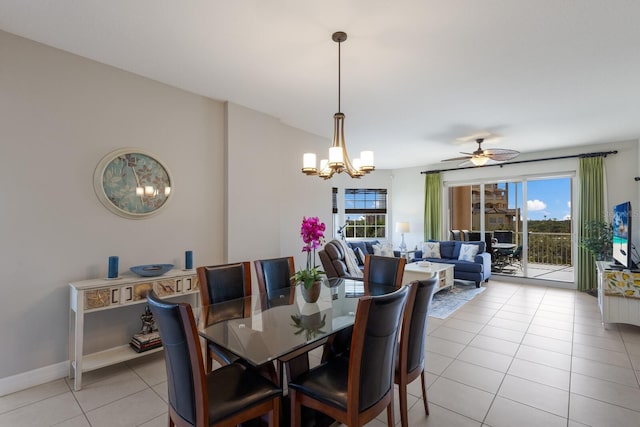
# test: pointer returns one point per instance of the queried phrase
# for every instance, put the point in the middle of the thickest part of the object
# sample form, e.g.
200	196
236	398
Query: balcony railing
549	248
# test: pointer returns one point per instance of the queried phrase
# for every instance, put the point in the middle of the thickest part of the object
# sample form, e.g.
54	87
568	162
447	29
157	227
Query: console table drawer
97	298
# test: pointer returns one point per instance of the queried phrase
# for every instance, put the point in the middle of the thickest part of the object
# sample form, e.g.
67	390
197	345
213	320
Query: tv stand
618	295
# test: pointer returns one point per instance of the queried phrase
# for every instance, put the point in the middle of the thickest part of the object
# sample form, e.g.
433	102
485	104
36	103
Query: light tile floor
516	355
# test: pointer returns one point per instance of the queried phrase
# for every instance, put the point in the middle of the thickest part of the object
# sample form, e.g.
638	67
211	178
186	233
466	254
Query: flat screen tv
622	235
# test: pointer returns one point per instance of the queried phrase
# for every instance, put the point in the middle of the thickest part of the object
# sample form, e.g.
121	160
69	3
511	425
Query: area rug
449	300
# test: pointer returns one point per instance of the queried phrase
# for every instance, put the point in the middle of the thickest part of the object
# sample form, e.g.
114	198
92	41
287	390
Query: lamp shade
402	227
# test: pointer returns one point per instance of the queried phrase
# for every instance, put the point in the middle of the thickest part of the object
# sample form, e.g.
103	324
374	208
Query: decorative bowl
151	270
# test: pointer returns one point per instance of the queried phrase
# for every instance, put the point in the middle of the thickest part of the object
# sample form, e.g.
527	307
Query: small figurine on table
148	324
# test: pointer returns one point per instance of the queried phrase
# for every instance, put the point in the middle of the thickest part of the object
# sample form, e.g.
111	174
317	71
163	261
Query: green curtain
591	208
432	206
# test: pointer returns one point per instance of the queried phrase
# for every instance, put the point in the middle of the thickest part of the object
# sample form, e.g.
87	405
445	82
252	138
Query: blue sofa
478	270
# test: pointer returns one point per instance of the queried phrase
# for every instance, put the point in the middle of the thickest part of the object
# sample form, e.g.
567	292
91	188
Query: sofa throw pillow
387	250
468	252
431	250
368	246
377	250
383	250
359	244
359	256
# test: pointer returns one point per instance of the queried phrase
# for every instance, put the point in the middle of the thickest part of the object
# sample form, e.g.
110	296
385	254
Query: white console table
89	296
618	295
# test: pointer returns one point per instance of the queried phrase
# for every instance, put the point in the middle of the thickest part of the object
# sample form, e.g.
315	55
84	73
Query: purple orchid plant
312	233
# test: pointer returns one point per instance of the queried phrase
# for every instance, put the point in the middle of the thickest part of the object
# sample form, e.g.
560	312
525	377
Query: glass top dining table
260	329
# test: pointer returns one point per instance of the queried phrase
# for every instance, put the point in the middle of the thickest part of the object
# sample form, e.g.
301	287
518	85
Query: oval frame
128	193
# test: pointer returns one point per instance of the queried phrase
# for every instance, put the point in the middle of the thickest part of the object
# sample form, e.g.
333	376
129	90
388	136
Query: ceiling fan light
479	160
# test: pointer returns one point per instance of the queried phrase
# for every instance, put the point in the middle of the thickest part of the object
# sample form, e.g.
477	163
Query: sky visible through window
548	199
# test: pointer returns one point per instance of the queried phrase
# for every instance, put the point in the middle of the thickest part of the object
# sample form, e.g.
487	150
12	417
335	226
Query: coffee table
414	271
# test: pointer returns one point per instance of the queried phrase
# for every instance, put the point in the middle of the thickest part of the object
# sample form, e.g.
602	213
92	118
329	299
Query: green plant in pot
597	238
312	233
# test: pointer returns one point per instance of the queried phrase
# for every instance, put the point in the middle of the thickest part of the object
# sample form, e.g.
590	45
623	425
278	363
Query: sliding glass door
526	224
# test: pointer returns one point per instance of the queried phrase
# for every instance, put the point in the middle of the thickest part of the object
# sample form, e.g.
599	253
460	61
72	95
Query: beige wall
59	115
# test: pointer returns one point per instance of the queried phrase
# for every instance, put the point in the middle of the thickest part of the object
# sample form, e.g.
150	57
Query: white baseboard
33	378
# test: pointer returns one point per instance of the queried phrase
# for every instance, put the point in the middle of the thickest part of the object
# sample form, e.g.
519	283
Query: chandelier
338	160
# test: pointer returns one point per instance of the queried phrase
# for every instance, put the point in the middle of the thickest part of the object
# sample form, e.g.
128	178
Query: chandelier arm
348	167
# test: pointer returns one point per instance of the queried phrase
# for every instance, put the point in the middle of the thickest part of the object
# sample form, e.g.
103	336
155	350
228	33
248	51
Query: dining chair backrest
219	283
412	341
373	347
274	274
383	271
185	369
414	326
455	235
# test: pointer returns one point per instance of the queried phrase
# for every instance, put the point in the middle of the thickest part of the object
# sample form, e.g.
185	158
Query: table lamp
402	227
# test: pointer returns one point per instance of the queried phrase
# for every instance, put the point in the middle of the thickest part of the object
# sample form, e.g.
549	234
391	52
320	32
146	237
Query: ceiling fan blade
503	157
457	158
500	154
500	151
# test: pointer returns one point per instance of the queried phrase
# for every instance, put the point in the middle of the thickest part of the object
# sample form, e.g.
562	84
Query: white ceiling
416	74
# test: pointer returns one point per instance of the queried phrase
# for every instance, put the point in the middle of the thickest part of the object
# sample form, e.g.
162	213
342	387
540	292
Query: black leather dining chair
412	339
228	396
274	275
355	390
382	275
276	288
222	283
382	272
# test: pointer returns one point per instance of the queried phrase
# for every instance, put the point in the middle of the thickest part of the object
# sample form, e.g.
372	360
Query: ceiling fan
481	156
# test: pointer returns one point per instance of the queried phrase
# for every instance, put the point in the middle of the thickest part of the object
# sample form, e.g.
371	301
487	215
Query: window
365	212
